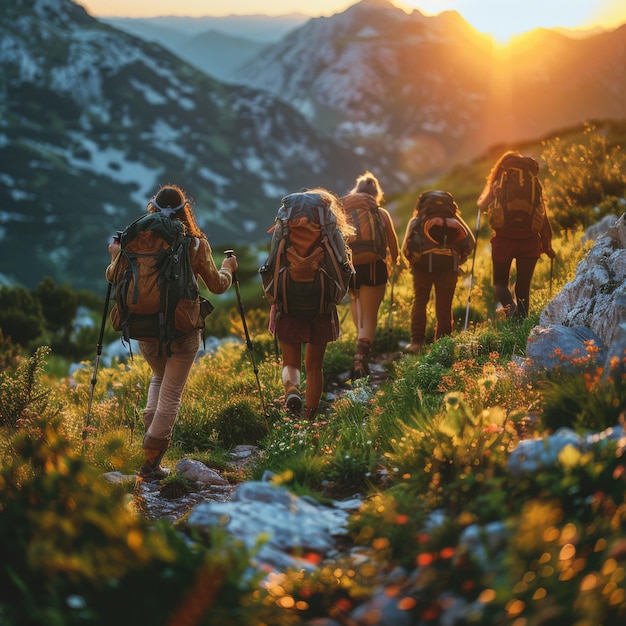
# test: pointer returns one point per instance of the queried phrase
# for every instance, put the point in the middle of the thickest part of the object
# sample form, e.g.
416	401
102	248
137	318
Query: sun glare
505	18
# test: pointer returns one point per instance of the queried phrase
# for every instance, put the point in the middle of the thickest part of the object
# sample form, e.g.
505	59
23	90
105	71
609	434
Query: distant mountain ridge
261	28
214	45
425	92
93	120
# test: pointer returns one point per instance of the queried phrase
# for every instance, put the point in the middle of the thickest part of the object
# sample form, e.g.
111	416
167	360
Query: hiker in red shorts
306	275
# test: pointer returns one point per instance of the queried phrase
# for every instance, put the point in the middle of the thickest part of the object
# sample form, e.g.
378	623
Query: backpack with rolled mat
309	266
437	236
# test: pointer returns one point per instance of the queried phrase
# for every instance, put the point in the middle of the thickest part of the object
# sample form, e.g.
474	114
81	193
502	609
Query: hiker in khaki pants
170	369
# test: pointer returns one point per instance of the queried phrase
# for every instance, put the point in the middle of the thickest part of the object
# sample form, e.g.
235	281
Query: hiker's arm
468	244
485	198
217	281
392	237
405	244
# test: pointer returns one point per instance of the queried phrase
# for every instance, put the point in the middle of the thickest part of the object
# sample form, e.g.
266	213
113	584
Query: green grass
433	440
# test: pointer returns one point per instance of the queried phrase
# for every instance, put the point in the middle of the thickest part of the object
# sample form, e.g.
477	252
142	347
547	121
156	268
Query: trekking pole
94	378
392	283
228	254
469	292
551	275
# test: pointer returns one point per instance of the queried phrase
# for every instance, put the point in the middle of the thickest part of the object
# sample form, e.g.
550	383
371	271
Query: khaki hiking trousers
169	376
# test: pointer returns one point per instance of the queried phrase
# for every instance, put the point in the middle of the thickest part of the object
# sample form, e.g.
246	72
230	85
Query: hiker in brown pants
523	245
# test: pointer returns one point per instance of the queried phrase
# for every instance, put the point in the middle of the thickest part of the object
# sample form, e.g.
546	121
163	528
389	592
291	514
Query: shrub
589	399
21	318
240	423
23	397
582	175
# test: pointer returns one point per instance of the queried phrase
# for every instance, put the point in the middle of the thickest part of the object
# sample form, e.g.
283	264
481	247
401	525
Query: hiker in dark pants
367	288
436	242
170	373
524	247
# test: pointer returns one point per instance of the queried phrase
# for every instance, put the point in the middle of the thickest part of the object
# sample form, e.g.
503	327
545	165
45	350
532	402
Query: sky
501	18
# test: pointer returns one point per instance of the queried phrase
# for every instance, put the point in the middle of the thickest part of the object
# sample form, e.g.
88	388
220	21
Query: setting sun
503	18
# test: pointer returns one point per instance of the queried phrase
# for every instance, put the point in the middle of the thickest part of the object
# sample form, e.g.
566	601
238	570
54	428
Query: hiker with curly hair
308	246
375	254
171	368
523	241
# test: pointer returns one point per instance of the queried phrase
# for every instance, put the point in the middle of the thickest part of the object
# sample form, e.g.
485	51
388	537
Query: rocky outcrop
590	308
285	531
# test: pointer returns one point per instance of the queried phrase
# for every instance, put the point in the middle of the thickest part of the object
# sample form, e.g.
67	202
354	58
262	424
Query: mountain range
94	120
94	117
216	45
424	92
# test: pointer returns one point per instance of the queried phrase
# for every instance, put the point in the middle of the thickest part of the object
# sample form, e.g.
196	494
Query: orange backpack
156	291
369	243
308	269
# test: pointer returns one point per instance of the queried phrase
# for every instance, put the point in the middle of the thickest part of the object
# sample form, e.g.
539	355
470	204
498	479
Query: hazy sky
498	17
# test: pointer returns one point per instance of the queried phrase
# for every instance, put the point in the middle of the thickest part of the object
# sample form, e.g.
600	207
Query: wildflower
492	428
447	553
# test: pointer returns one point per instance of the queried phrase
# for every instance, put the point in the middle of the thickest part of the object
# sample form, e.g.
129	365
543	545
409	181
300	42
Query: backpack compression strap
334	254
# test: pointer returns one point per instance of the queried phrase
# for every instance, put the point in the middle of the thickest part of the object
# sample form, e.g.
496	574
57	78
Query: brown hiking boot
359	367
151	470
293	401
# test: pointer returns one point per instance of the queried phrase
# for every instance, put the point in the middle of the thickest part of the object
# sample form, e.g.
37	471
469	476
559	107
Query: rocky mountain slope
93	120
417	93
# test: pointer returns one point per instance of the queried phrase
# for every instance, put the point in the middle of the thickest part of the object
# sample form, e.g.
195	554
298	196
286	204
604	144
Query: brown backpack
437	228
308	269
369	243
155	288
517	210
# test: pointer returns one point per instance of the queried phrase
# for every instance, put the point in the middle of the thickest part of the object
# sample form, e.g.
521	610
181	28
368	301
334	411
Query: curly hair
368	183
487	193
172	197
334	203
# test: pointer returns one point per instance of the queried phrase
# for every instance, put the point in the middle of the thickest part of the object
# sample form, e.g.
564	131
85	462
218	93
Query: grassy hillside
433	440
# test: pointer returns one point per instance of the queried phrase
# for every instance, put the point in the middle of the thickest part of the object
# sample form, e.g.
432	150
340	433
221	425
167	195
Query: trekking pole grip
228	254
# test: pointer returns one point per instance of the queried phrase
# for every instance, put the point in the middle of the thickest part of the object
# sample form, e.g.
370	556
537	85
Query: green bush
583	175
21	318
240	422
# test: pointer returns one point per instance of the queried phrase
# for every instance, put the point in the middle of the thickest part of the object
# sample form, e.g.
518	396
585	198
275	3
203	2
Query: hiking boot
151	470
293	401
359	367
414	347
153	473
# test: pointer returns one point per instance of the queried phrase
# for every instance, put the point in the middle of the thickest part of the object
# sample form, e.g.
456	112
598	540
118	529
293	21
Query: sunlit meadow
432	442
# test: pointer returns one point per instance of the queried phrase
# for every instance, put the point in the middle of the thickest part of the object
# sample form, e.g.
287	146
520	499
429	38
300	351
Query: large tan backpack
309	267
155	289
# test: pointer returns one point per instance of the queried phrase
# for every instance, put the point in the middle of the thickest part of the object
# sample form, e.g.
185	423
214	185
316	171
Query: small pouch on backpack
206	308
304	269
